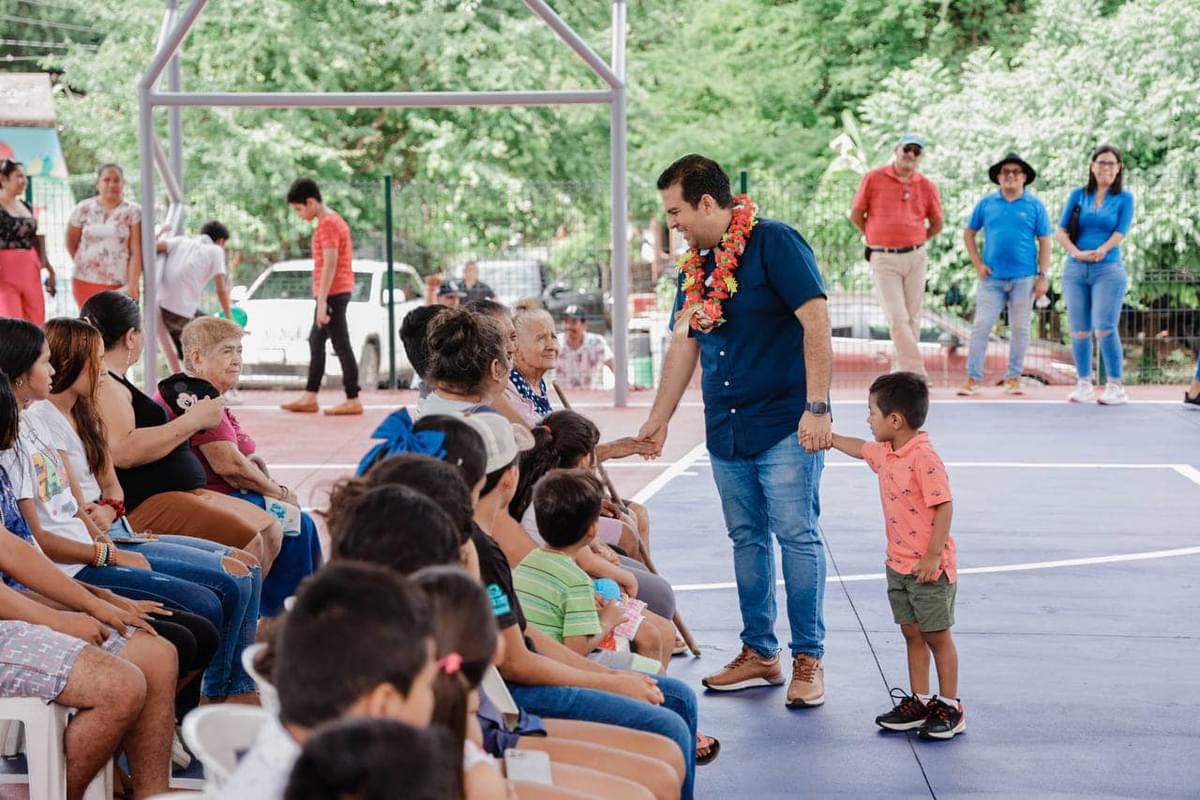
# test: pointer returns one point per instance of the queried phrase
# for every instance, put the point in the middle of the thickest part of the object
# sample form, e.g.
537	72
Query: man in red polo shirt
333	281
898	210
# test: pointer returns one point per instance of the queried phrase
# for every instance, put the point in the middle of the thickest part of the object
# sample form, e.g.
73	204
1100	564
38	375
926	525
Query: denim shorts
929	605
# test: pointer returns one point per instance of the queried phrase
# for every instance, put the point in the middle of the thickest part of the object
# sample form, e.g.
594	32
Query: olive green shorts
929	605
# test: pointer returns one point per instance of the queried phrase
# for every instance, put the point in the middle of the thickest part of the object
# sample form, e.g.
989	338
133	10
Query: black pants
337	331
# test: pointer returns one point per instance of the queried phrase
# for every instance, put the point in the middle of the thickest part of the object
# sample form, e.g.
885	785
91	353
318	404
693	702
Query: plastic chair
268	698
218	735
45	725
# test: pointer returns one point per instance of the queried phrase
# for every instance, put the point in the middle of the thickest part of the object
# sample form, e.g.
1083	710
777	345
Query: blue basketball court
1078	615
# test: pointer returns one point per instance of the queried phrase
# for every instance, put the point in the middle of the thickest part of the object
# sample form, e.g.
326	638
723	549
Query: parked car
279	313
517	280
862	346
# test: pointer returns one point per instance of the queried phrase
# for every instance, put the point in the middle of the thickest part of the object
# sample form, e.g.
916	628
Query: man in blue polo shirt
757	321
1016	254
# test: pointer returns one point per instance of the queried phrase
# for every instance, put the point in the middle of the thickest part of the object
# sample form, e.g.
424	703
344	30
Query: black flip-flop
714	750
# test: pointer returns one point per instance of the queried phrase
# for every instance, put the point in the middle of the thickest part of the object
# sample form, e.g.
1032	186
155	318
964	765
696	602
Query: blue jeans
1094	293
990	298
298	558
200	561
776	492
676	718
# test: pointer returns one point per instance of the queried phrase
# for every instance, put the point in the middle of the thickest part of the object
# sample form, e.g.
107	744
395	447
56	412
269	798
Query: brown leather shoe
346	408
808	682
747	669
302	406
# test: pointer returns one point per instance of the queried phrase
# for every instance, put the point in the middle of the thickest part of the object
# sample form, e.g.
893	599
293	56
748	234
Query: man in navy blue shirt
766	353
1012	270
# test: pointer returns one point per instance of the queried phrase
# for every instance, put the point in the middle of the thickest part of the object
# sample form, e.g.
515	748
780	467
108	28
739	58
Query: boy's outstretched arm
849	445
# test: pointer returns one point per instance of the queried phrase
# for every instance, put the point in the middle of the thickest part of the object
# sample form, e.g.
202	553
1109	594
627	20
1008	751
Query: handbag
1073	223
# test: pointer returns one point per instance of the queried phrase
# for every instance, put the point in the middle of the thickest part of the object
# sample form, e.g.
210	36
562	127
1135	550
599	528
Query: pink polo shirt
912	484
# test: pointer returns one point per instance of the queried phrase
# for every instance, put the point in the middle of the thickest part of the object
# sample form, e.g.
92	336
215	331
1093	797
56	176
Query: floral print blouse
103	254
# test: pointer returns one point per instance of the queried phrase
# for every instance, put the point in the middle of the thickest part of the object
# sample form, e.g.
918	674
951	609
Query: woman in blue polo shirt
1094	278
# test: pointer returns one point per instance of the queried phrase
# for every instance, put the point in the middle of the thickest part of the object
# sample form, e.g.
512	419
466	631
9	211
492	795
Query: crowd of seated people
489	624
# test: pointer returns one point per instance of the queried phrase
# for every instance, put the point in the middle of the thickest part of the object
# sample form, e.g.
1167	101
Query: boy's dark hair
463	445
393	526
566	503
698	176
215	231
904	393
440	482
370	758
412	335
354	626
302	190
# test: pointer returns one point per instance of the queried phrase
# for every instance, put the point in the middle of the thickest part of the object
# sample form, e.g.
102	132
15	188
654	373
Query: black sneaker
907	714
945	721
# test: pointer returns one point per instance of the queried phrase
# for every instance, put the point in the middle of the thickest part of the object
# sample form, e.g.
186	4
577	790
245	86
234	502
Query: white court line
1067	562
1189	472
670	473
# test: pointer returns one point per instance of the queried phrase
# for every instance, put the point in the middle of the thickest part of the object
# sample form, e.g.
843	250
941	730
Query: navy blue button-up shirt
753	380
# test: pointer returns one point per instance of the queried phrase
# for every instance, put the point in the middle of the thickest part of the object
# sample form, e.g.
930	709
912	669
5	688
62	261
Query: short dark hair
412	335
394	526
368	758
440	482
905	393
215	231
302	190
488	307
462	444
353	627
566	502
1118	182
698	176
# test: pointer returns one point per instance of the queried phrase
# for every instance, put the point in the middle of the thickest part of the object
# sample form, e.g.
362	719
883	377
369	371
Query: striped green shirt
556	595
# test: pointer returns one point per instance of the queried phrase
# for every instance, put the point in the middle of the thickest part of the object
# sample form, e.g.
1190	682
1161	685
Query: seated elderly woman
212	353
467	362
536	354
161	477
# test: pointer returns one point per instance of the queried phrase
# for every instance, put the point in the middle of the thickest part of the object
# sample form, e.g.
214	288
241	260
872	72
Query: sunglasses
912	149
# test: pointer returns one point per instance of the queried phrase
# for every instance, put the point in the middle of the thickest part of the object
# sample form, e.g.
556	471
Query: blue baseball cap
912	138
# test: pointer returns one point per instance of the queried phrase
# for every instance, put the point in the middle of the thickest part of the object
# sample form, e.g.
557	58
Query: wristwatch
818	407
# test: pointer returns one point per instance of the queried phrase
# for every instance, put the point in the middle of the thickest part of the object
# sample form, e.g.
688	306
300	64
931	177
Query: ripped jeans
201	562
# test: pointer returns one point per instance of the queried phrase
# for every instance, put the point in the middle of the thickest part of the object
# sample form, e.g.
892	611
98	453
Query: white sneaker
180	757
1113	395
1083	392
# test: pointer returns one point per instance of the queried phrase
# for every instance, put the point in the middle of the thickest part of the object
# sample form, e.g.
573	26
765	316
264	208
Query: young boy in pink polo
921	571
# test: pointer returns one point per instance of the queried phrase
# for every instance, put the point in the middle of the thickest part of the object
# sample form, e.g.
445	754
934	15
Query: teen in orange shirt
921	566
333	281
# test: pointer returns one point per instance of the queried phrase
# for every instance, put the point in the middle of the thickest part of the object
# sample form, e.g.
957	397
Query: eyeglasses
1012	171
1107	163
913	149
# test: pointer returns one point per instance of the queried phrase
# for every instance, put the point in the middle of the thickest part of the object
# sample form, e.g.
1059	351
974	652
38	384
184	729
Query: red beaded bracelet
116	505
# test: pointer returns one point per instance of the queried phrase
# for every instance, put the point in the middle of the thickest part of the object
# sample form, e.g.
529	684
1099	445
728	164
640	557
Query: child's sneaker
945	721
1083	392
1113	395
909	713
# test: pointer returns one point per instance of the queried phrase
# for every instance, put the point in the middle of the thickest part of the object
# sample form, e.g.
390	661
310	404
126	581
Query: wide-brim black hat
1012	158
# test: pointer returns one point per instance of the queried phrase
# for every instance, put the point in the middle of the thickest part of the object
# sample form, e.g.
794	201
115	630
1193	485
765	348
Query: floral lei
721	284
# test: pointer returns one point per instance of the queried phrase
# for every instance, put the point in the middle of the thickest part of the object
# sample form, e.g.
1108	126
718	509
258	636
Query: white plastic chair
268	698
218	735
45	725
